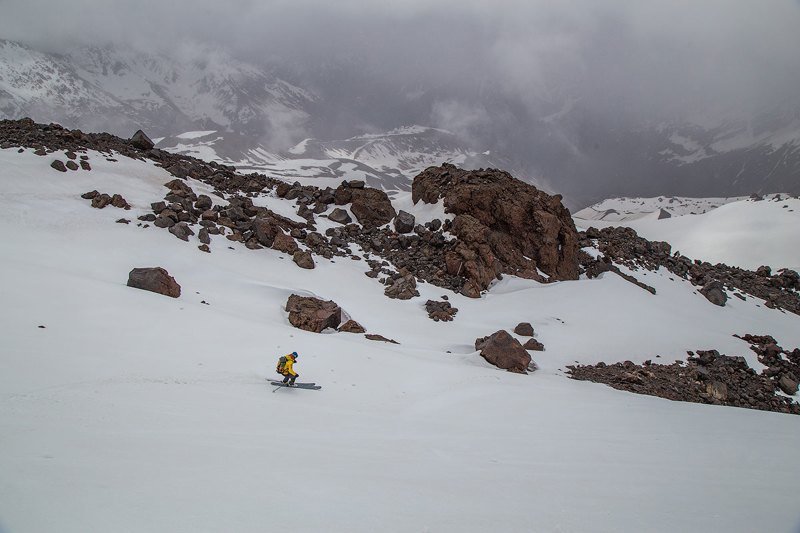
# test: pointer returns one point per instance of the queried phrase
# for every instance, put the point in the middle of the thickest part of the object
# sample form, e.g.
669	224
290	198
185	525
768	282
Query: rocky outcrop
154	279
504	351
312	314
503	225
623	246
709	377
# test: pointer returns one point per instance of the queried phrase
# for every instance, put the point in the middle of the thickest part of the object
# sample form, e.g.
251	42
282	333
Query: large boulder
154	279
502	225
371	207
504	351
312	314
340	215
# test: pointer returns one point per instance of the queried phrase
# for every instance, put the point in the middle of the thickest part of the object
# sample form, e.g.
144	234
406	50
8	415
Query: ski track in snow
131	411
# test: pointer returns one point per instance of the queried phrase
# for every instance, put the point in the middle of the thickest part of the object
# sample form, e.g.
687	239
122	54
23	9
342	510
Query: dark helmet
294	354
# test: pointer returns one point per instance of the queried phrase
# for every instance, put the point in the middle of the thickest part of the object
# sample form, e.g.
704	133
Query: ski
309	386
275	381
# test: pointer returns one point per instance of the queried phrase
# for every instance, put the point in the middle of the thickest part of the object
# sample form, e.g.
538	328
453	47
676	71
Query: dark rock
404	222
162	221
285	243
504	351
85	165
381	338
533	344
101	200
204	248
340	216
141	141
58	165
89	195
154	279
440	311
265	229
118	201
714	293
371	207
403	288
181	230
313	314
788	384
203	236
203	202
303	259
72	165
351	326
525	329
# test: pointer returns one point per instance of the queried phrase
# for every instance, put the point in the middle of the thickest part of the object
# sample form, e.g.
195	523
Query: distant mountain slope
386	160
741	232
119	90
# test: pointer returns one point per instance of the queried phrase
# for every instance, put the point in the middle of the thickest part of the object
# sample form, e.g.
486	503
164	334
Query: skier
286	368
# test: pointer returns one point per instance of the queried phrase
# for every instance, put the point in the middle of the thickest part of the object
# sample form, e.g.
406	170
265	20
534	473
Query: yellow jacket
287	367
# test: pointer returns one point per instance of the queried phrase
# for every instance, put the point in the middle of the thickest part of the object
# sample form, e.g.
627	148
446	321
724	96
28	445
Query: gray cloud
665	57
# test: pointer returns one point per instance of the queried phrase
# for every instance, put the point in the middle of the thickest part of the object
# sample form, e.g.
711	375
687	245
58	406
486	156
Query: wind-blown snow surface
743	233
131	411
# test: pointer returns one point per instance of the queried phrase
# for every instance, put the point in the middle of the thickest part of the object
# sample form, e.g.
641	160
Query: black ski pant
290	378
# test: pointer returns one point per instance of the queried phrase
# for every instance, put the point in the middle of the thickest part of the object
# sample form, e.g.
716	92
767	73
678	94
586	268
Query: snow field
132	411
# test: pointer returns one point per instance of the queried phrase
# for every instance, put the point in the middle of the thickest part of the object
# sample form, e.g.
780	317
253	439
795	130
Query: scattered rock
525	329
534	345
340	216
440	311
154	279
89	195
403	288
351	326
182	231
101	201
375	337
58	165
72	165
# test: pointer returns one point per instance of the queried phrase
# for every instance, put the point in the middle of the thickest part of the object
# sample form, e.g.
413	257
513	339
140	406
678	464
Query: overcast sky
668	56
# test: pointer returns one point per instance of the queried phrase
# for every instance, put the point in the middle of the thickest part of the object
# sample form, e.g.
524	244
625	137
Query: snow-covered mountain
564	142
123	89
152	413
386	160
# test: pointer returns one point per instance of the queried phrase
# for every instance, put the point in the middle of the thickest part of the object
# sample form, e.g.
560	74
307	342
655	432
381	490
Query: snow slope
744	232
131	411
